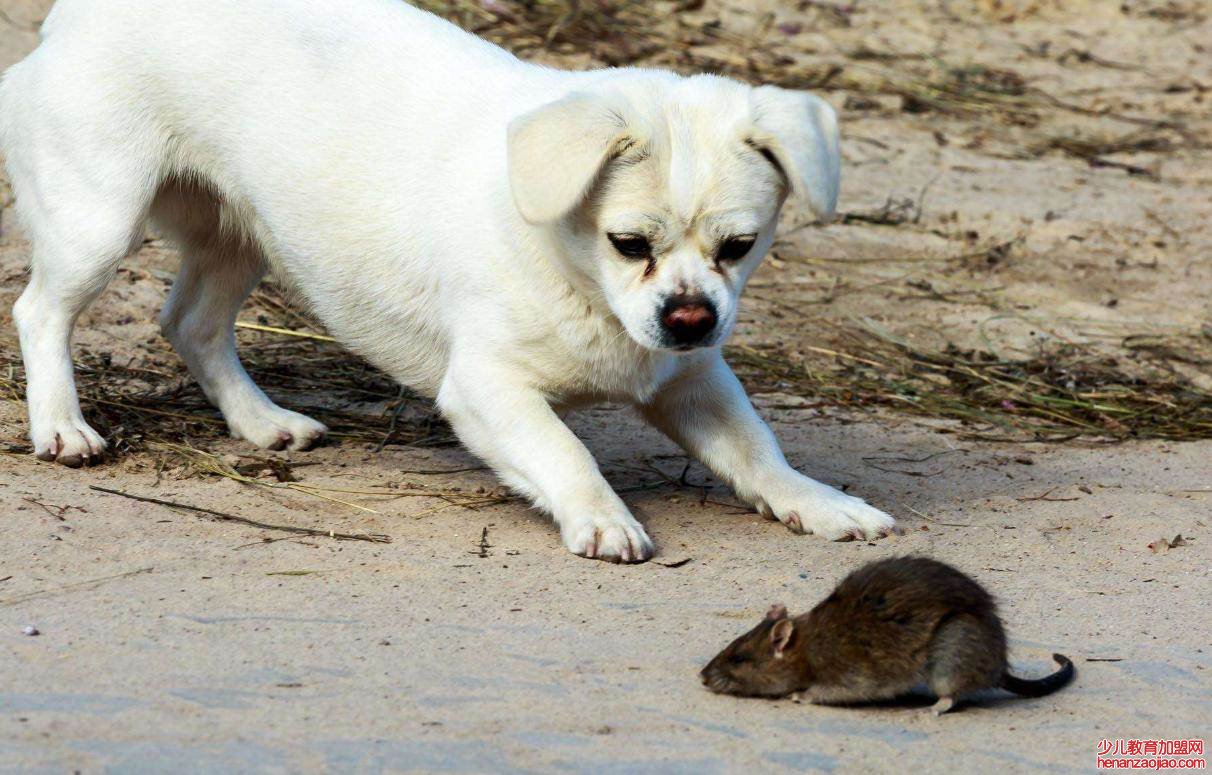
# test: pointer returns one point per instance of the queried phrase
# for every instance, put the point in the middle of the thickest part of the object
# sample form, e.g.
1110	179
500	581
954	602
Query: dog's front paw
807	506
613	540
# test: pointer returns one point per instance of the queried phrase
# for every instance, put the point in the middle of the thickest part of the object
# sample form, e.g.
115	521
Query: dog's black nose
688	320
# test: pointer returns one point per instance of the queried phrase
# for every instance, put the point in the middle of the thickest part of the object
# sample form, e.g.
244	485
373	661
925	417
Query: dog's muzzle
686	321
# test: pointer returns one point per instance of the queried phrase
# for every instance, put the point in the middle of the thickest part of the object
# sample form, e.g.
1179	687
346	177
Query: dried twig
224	517
1044	496
69	587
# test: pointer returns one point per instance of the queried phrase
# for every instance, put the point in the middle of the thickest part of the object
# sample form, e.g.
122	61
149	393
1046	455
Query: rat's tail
1038	687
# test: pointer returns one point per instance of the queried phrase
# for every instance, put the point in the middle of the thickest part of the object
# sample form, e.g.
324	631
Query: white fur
441	205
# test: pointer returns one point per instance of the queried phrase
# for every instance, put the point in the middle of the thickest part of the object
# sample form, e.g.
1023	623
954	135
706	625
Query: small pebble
31	630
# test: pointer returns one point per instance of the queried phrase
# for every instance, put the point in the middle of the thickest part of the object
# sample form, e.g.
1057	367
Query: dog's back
261	102
227	48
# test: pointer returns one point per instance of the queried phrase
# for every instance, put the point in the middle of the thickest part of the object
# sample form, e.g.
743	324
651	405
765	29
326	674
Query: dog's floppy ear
556	152
798	132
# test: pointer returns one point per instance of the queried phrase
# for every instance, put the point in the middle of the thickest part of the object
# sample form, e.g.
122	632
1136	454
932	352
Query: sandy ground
474	642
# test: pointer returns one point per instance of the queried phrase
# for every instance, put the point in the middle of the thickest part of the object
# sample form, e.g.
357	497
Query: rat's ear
556	151
798	132
780	633
777	611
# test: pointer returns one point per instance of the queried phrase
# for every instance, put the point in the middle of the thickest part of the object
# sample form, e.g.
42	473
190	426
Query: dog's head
665	191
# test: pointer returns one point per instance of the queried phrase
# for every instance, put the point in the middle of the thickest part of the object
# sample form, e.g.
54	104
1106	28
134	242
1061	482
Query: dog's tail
1038	687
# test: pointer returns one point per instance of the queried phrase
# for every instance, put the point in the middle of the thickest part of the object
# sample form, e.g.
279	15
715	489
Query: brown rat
889	626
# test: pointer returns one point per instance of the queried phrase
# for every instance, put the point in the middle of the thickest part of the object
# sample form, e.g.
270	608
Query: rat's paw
806	506
613	540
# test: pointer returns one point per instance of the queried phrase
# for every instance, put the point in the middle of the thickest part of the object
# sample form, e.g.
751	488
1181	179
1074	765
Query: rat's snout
714	680
687	320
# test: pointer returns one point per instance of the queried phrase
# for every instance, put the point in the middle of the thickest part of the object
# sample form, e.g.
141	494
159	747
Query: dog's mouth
679	348
685	348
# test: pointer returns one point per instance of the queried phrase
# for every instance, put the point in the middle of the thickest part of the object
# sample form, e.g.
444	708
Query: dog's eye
735	248
631	245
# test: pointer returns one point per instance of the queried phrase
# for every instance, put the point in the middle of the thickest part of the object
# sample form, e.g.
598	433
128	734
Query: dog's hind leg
218	271
83	203
68	271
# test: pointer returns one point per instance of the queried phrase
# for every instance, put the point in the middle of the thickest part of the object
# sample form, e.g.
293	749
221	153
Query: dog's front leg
513	428
705	409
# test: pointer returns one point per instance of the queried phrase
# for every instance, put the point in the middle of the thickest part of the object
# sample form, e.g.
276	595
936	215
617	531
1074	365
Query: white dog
510	239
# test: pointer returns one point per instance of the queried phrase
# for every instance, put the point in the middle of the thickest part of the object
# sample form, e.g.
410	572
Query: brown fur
888	627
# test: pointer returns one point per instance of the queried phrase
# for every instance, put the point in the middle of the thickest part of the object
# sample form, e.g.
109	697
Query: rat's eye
631	245
735	248
736	659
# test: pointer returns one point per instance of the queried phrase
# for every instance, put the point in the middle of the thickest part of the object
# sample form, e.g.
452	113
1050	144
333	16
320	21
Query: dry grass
1059	394
186	461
